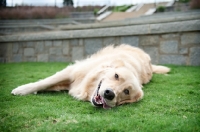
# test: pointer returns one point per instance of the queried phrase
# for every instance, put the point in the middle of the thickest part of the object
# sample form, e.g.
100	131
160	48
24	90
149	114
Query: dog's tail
160	69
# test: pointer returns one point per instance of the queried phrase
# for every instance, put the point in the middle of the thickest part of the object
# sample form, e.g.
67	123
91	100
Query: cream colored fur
131	64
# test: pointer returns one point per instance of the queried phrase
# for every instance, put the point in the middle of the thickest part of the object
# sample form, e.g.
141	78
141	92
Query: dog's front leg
64	75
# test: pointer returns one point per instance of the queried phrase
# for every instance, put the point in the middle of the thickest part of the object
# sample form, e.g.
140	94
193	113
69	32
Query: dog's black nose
109	94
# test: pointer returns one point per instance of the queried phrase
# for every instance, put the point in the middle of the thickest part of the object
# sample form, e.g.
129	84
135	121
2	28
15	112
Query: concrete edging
181	26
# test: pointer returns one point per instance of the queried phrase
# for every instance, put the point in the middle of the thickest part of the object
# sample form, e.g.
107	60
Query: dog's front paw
23	90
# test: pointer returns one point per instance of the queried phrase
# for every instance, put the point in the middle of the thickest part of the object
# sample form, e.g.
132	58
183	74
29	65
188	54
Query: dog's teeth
98	99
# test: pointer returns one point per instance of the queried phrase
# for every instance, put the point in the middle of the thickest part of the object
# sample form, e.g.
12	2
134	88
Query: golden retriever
111	77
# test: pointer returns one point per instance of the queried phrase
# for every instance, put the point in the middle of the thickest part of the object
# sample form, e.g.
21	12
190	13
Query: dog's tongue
105	106
101	101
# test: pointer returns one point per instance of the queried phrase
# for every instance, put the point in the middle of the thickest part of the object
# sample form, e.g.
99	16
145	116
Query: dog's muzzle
99	101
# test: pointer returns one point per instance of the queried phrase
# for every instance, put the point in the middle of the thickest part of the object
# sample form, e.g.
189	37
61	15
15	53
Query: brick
7	50
65	42
170	46
54	58
183	51
29	59
81	42
2	59
131	40
77	53
170	36
65	47
92	45
20	51
74	42
57	43
66	50
153	52
55	51
29	52
48	43
172	59
195	56
3	49
15	48
109	41
42	58
149	40
190	38
16	58
39	47
24	44
30	44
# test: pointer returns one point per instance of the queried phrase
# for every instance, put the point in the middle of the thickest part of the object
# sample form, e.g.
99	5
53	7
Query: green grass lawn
171	103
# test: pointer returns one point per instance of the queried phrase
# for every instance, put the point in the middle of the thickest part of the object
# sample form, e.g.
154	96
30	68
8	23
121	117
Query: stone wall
172	48
167	43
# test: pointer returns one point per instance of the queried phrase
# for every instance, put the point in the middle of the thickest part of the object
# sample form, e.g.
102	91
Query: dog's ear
117	63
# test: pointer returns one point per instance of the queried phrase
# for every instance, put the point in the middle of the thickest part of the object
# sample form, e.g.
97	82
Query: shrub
184	1
95	11
121	8
160	9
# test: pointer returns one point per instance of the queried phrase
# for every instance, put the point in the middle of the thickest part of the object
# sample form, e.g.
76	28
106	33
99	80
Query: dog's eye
126	91
116	76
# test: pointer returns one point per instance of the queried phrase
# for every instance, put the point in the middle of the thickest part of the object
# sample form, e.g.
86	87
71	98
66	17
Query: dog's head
118	85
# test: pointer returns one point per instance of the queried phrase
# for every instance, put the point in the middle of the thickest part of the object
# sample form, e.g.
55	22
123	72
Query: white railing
103	10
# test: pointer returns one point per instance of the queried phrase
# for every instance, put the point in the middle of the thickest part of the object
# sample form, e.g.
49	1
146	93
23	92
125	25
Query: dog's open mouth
98	100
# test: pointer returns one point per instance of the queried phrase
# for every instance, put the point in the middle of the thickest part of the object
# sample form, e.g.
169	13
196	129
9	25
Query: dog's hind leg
62	76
